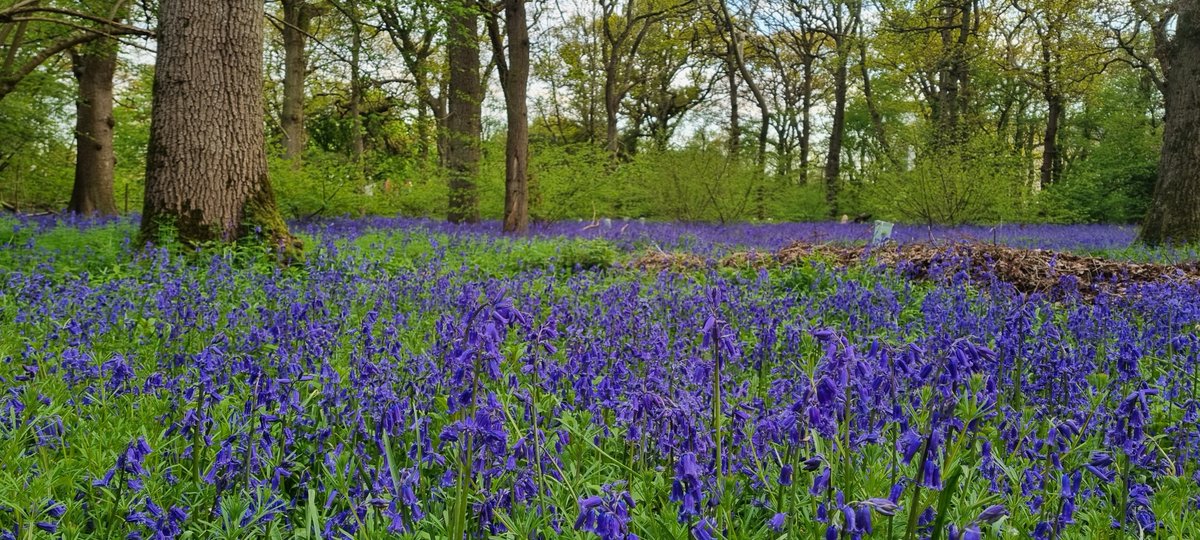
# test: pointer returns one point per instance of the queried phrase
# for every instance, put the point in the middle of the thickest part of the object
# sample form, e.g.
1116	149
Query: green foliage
65	250
673	85
701	183
573	181
570	182
975	181
1113	177
37	162
325	185
131	135
588	255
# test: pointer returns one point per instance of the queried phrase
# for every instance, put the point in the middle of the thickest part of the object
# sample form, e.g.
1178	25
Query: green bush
972	182
570	182
587	255
1112	178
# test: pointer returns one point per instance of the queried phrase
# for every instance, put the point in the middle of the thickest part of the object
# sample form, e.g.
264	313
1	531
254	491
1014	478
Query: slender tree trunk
357	135
440	122
297	15
764	109
463	125
1174	215
955	75
833	162
612	106
806	104
516	170
869	97
206	170
735	119
95	162
431	118
1051	160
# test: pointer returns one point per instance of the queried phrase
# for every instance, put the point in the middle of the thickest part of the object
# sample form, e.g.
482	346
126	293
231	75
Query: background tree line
943	111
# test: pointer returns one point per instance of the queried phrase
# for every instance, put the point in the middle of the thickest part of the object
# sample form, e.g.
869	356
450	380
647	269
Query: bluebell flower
777	521
991	514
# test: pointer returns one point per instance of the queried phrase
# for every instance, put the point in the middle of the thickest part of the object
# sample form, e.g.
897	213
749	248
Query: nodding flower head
129	465
821	482
778	521
606	515
991	514
685	489
785	475
885	507
704	530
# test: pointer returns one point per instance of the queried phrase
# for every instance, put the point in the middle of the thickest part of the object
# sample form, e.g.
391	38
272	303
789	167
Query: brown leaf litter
1027	270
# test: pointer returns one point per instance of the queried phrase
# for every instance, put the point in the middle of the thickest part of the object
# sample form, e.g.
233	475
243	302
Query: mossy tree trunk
206	171
464	125
1174	215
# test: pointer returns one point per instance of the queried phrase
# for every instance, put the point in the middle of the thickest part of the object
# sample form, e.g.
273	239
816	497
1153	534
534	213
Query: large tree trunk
94	67
833	162
297	15
206	168
1174	215
516	169
464	125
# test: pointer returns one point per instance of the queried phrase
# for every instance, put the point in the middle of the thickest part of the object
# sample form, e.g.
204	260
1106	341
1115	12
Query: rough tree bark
297	14
1174	215
516	90
206	167
464	125
94	65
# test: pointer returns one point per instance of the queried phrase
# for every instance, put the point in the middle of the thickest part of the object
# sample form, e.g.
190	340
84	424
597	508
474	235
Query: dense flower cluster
413	384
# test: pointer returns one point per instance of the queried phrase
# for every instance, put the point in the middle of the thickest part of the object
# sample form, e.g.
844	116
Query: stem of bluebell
198	430
537	455
718	420
914	511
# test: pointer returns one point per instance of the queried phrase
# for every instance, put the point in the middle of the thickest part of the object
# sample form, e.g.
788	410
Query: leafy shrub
976	181
587	255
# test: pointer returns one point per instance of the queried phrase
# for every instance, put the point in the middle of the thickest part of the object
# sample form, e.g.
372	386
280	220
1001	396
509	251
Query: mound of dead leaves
1027	270
1033	270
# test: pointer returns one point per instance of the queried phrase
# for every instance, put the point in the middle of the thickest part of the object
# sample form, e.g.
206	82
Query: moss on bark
262	222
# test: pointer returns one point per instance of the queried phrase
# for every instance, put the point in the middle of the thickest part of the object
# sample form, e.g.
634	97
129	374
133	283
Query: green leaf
944	500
